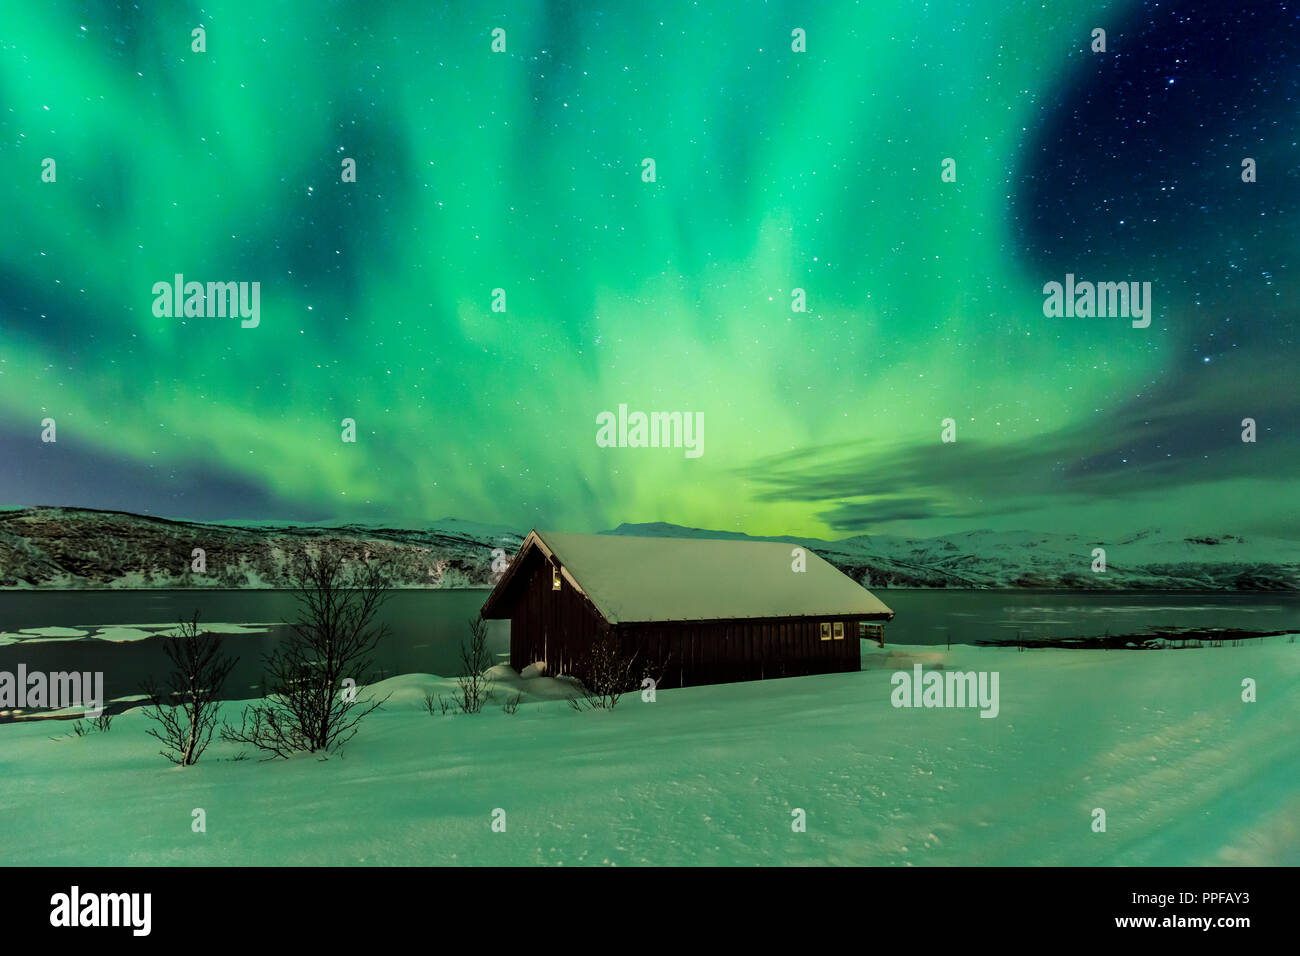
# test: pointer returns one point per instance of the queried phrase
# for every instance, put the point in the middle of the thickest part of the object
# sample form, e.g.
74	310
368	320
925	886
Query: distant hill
81	548
1023	559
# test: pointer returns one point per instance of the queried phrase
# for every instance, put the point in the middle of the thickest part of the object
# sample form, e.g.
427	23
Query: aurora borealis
775	171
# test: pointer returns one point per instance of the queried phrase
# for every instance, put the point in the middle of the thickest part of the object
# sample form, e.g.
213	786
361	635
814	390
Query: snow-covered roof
635	579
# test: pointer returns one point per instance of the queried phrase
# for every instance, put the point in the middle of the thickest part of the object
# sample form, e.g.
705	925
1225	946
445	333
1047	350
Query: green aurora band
475	171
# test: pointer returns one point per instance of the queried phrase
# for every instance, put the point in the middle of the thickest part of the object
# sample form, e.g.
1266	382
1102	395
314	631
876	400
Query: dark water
425	632
964	617
427	627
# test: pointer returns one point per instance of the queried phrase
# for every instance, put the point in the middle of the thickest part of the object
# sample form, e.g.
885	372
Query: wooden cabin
691	610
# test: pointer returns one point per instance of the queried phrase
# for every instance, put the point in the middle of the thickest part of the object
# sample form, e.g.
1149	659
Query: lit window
826	631
555	578
839	630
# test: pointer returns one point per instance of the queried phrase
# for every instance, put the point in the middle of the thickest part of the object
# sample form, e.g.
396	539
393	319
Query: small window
555	578
826	631
839	630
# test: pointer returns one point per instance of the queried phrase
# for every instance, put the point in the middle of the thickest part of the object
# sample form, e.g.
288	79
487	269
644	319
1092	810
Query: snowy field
1186	772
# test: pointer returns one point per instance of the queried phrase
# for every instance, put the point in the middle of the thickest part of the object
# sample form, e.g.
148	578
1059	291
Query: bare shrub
473	685
185	709
438	705
103	723
606	673
333	639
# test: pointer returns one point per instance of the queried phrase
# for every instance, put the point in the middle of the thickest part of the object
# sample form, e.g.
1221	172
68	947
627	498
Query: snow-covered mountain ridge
82	548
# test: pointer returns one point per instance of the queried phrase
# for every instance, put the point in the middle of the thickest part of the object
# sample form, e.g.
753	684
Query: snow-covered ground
1186	772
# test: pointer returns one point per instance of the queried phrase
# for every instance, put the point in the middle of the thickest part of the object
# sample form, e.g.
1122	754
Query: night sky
775	170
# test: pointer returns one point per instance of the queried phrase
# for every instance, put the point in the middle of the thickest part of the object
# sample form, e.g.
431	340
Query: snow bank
1186	772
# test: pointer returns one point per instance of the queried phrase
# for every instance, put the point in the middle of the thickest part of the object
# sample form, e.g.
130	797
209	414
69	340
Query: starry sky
774	170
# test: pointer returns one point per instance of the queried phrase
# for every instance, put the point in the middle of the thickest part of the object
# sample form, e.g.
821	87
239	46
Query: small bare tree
438	705
475	659
606	672
332	641
185	710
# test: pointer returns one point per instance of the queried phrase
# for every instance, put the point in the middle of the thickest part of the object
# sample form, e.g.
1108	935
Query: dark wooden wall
548	625
719	652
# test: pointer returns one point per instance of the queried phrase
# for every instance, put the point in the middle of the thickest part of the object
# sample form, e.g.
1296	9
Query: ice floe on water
34	634
1142	608
122	633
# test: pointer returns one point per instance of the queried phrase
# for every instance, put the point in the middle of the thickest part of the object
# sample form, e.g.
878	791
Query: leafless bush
333	639
185	710
103	723
438	705
79	728
475	659
75	729
606	673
